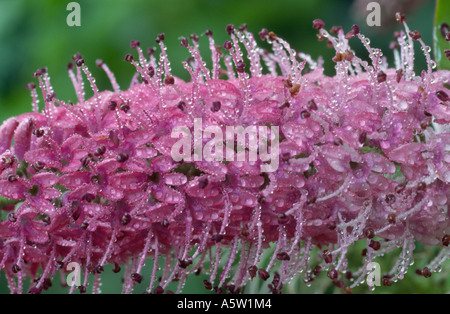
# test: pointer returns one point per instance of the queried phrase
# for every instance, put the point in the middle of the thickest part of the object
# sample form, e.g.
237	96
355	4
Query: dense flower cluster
363	155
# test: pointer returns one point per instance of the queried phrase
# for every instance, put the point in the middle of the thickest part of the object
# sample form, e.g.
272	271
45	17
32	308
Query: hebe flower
363	155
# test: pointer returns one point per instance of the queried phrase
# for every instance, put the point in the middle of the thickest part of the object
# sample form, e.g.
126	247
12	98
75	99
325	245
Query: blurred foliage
34	34
442	17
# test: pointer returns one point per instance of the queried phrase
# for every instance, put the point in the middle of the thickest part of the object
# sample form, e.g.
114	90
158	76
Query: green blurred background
34	34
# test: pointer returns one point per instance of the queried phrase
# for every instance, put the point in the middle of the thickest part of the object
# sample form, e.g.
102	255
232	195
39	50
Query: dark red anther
392	218
122	157
362	138
217	237
393	45
283	256
348	275
337	141
240	66
69	66
386	281
15	268
100	151
400	17
390	199
85	161
12	217
112	105
184	42
442	95
332	274
318	24
263	34
181	105
415	35
446	240
444	29
375	245
286	104
335	29
305	114
194	37
283	219
151	51
82	289
327	256
207	284
243	27
202	183
99	63
84	225
215	106
126	218
381	77
355	29
311	105
208	32
30	86
129	57
88	197
116	268
369	233
12	178
38	132
124	107
338	283
230	29
158	290
160	37
151	71
399	75
169	80
317	270
46	220
136	277
263	274
184	263
59	264
134	44
252	271
426	272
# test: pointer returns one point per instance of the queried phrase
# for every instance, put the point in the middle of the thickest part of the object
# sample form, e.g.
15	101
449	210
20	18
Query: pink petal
175	179
47	156
45	179
74	180
13	190
22	138
6	134
128	180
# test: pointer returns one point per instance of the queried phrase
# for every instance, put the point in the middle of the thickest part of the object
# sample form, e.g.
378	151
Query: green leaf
441	16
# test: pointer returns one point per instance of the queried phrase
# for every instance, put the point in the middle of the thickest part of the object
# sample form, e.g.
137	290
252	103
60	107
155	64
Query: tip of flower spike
30	86
40	72
151	51
318	24
134	44
129	57
194	37
99	63
160	37
243	27
230	29
400	17
355	31
183	42
415	35
78	59
263	34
